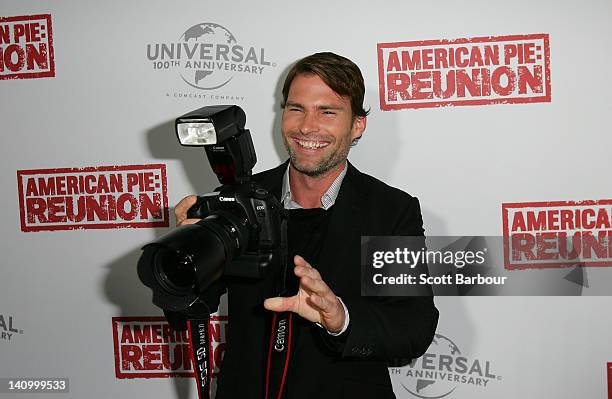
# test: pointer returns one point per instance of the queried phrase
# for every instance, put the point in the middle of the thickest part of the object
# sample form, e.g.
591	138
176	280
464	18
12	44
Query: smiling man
341	340
318	127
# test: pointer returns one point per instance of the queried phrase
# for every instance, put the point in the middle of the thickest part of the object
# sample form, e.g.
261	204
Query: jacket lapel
340	248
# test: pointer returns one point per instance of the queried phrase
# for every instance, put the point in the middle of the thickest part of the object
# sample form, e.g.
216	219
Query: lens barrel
179	266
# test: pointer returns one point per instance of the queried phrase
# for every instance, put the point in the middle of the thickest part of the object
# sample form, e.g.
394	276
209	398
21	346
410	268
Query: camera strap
199	337
279	354
281	333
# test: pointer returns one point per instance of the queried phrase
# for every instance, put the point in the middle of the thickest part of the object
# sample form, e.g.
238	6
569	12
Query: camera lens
174	273
184	263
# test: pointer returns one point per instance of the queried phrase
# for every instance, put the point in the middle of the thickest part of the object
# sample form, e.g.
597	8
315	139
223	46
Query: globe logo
213	44
207	56
429	388
441	370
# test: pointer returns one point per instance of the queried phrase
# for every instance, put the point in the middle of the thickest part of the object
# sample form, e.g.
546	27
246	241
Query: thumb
281	304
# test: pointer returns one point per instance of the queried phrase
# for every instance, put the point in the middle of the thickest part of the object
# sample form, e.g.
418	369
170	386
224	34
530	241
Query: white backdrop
108	106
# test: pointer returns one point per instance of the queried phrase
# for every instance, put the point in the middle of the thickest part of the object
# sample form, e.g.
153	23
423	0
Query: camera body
240	234
254	224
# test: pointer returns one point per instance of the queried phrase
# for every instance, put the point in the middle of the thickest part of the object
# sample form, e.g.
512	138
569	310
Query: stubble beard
324	166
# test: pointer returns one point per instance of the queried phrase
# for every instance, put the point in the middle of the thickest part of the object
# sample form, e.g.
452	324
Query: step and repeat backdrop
494	114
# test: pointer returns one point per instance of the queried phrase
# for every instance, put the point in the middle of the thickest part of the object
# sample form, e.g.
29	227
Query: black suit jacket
381	328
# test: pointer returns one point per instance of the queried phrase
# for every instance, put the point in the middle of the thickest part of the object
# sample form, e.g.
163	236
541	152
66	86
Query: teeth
311	144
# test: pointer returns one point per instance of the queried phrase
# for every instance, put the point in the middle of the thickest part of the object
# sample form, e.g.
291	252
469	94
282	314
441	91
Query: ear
359	126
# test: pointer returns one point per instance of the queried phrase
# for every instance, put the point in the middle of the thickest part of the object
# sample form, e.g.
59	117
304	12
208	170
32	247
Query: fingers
315	286
180	211
282	304
315	301
320	303
303	268
299	261
320	295
187	221
310	279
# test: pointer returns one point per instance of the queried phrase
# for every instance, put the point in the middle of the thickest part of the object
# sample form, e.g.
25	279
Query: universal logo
207	56
441	370
8	331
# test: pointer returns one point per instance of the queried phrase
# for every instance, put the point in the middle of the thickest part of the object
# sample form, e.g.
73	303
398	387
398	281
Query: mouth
311	144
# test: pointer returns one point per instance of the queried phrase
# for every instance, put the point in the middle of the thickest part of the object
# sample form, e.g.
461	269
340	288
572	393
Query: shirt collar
327	199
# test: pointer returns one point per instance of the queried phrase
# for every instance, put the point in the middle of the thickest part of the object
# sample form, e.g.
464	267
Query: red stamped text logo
557	234
26	47
146	347
93	198
475	71
609	367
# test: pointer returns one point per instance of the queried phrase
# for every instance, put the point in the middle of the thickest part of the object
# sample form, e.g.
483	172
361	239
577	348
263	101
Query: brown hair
339	73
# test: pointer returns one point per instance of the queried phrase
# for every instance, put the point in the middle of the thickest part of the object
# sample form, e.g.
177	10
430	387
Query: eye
329	112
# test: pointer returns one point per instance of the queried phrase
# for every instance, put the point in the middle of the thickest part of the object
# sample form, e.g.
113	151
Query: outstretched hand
315	301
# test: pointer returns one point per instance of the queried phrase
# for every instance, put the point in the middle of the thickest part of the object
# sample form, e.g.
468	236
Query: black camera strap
200	353
281	333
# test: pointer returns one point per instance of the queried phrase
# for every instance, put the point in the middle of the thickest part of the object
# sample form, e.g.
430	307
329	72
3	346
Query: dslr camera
242	231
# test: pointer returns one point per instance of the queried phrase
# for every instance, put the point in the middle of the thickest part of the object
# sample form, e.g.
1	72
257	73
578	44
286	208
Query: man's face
318	126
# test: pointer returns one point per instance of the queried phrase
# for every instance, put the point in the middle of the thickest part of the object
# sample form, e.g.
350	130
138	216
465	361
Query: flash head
196	132
228	145
210	125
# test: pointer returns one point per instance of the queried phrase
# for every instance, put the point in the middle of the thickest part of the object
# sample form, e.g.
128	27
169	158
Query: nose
309	123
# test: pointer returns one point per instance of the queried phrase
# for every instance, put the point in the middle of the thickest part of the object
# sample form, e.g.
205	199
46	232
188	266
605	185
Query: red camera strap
279	354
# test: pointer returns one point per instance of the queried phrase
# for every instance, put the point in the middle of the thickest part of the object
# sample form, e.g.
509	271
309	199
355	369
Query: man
342	340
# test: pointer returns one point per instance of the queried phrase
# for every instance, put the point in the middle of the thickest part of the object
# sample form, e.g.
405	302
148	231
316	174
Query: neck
307	190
